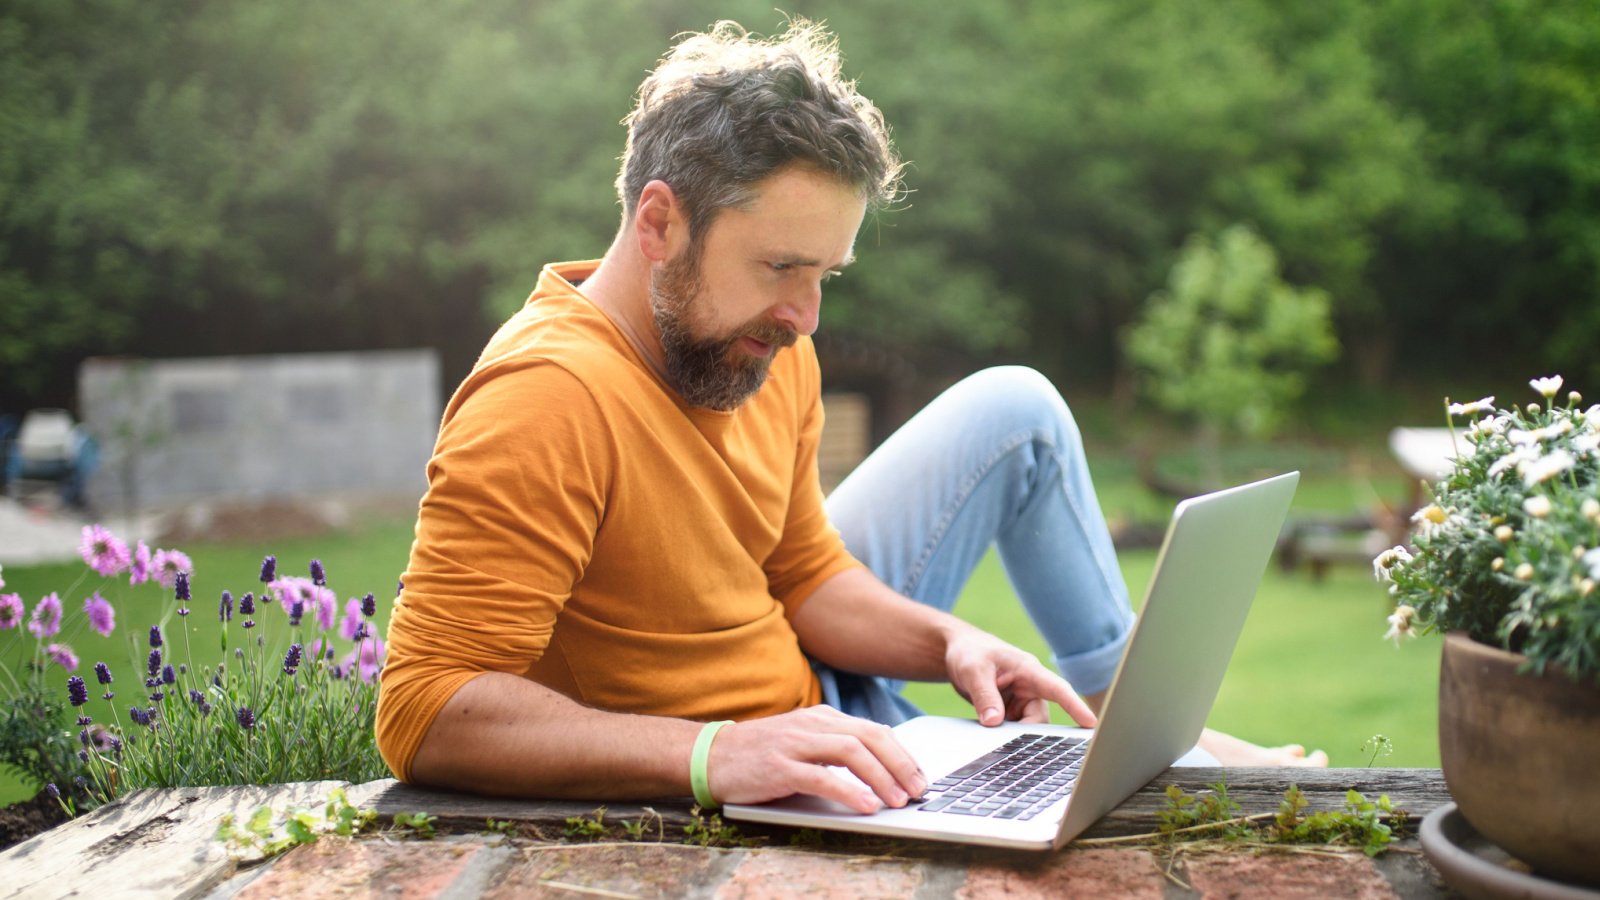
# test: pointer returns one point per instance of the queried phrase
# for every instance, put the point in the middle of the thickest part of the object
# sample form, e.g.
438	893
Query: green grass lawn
1310	668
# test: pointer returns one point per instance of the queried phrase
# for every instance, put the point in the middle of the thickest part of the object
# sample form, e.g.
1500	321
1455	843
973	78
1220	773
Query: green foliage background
181	177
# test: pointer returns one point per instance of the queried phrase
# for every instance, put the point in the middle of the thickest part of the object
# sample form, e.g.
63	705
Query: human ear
658	222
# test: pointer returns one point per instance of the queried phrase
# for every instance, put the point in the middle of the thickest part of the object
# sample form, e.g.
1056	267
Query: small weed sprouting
637	829
1366	824
419	824
267	833
806	839
1381	746
586	829
713	832
500	826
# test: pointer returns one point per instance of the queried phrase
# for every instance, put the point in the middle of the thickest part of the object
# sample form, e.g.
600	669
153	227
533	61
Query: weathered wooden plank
152	843
1255	790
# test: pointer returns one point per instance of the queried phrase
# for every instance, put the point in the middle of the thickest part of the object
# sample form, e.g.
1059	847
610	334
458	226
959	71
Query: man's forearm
501	734
857	623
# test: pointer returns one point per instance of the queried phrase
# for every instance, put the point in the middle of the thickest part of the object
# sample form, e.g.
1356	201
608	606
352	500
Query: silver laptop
1039	786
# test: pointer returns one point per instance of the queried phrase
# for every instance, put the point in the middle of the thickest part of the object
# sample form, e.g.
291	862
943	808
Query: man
624	538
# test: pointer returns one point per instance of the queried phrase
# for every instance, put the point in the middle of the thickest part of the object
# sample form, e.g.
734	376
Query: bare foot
1232	751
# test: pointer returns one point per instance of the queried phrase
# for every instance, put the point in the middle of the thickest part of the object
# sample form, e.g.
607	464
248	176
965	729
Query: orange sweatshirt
586	529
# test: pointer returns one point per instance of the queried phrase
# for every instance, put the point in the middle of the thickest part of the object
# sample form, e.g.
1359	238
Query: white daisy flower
1537	506
1547	467
1485	405
1546	386
1591	417
1486	427
1590	509
1387	560
1587	444
1429	519
1400	624
1539	435
1516	459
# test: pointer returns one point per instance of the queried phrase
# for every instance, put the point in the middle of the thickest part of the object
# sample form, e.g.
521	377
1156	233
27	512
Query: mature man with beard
624	549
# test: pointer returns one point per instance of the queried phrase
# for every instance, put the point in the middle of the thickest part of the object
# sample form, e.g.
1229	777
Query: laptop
1037	786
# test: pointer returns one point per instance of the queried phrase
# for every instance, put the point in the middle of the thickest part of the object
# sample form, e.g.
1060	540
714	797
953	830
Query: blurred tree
1229	344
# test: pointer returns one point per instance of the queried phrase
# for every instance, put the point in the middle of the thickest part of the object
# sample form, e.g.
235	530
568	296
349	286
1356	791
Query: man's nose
800	310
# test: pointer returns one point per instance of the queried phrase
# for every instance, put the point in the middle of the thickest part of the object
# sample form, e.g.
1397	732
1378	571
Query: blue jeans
996	460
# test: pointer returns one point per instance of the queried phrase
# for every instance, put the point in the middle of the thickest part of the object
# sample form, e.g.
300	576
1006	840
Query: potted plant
1505	560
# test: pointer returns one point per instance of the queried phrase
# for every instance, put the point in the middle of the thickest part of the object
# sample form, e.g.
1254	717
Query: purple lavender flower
139	716
247	718
318	577
180	586
196	697
248	623
168	676
157	696
205	709
153	665
83	755
83	721
102	672
46	619
54	791
62	655
225	608
296	610
77	691
247	604
103	551
369	606
139	569
83	737
291	660
102	618
10	611
269	569
167	565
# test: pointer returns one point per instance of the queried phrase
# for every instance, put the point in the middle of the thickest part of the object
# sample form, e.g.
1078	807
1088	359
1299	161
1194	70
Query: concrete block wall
252	428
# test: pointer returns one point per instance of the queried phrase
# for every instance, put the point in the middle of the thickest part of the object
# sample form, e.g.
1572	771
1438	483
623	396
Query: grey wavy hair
724	110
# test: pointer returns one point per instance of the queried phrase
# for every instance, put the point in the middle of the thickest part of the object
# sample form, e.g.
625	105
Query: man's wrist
699	764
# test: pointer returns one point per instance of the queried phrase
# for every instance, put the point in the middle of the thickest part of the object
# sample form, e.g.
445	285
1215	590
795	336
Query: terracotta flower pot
1521	754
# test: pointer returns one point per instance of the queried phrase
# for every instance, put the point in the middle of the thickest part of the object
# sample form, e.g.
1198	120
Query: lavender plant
292	709
1509	548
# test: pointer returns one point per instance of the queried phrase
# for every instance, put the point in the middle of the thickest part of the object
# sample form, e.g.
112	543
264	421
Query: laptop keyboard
1017	780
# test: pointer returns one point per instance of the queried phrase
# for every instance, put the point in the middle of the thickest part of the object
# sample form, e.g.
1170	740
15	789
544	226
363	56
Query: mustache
777	335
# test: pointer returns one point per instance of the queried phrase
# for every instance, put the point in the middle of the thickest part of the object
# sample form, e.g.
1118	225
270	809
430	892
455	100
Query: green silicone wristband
698	779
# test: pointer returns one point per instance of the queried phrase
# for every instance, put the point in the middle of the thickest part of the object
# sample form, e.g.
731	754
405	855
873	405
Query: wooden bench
161	843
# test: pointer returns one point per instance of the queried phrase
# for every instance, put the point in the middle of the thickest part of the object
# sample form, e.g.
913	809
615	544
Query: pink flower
62	655
46	620
139	570
352	619
102	618
10	611
367	658
313	599
102	550
167	564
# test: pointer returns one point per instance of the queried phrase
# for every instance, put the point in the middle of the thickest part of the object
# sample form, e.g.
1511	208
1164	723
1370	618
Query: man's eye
780	266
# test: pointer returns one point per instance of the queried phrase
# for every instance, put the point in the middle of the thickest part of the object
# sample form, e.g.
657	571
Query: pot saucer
1479	869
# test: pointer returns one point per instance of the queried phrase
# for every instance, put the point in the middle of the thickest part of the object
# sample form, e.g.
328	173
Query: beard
710	372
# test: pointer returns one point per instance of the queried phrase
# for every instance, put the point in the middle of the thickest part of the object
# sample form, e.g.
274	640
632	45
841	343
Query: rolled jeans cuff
1091	671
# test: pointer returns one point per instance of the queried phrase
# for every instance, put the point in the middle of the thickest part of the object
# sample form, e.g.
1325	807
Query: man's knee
1027	398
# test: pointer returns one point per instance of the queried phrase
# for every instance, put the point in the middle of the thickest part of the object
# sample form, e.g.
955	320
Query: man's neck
620	287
